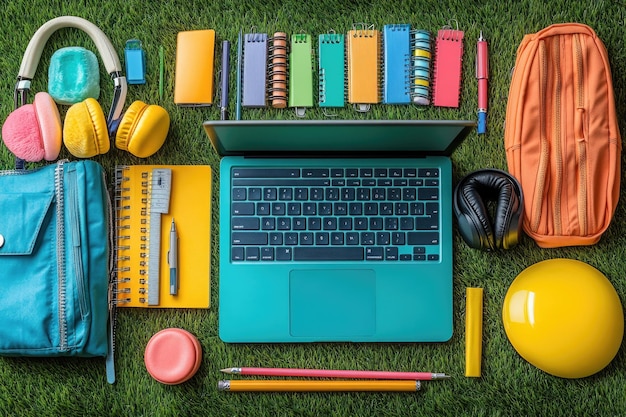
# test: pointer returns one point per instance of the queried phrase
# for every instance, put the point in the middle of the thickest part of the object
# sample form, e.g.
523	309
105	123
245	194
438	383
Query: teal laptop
335	231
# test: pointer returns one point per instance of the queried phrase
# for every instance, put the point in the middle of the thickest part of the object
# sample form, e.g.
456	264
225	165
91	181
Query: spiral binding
408	83
118	206
346	65
278	72
363	30
448	33
407	63
321	91
380	64
421	63
120	293
112	285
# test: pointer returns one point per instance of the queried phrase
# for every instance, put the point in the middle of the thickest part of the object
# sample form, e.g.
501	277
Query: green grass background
509	386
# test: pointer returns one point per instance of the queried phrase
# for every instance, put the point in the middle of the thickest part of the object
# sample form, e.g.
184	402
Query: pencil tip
227	370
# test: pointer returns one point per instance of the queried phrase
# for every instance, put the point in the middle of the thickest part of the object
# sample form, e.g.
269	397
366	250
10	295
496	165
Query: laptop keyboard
335	214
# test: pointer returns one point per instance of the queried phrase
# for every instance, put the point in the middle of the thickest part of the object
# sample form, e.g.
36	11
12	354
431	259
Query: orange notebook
195	54
148	199
363	56
447	68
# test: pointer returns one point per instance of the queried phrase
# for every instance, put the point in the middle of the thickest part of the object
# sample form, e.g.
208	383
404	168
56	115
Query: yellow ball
564	317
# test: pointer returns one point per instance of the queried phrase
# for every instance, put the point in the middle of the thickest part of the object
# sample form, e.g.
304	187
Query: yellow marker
473	331
287	385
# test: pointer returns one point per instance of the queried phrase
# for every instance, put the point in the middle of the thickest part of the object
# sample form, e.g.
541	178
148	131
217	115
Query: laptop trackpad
332	303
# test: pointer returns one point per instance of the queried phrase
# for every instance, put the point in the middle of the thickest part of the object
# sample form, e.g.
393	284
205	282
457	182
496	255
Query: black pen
225	74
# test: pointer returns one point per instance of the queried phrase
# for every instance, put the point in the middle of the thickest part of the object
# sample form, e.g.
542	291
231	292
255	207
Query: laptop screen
415	137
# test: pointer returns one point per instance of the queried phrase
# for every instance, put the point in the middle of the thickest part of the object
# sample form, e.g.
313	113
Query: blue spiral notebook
396	64
254	83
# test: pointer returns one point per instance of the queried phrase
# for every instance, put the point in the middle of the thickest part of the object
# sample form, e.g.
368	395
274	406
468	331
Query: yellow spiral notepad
363	56
143	235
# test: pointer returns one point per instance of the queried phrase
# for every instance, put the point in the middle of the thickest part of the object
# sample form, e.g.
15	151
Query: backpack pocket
28	229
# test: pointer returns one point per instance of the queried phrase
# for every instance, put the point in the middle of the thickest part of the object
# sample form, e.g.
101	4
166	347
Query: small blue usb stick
135	62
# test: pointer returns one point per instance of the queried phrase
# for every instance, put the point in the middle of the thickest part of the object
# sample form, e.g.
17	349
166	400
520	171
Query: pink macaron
173	356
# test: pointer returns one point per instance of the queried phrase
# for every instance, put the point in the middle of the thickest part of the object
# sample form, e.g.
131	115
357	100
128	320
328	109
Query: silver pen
172	259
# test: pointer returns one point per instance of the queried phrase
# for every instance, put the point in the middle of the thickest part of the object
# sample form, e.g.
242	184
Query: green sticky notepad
331	70
301	72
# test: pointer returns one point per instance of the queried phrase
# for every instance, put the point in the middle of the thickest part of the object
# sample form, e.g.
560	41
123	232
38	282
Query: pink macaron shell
172	356
50	125
21	134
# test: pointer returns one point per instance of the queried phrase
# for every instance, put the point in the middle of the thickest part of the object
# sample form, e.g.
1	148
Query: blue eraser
482	122
73	75
135	58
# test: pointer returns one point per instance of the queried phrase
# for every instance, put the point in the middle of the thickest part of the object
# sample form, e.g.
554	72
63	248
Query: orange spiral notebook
148	200
447	67
363	67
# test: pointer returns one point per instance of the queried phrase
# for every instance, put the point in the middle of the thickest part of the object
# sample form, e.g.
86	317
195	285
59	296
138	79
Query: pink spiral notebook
447	68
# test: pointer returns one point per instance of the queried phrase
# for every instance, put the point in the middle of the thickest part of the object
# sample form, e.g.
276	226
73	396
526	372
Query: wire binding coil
380	65
346	65
278	73
119	293
363	30
420	67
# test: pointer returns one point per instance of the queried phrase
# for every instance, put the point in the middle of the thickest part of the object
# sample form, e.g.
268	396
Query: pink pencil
329	373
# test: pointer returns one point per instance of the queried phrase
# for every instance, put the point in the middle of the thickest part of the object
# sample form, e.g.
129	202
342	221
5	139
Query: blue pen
172	259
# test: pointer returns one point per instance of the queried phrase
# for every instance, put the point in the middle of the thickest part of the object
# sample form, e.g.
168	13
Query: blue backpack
54	262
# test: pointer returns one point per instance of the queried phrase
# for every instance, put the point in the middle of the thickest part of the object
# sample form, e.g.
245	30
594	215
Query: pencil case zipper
581	134
561	135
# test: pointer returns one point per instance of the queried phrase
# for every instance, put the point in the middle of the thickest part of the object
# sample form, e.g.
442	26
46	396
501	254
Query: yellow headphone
86	132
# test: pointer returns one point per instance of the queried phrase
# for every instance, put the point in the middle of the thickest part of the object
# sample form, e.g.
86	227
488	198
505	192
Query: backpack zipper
545	151
76	241
581	141
58	190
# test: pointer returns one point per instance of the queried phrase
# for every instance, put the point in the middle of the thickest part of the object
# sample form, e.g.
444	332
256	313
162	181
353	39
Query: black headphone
471	195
